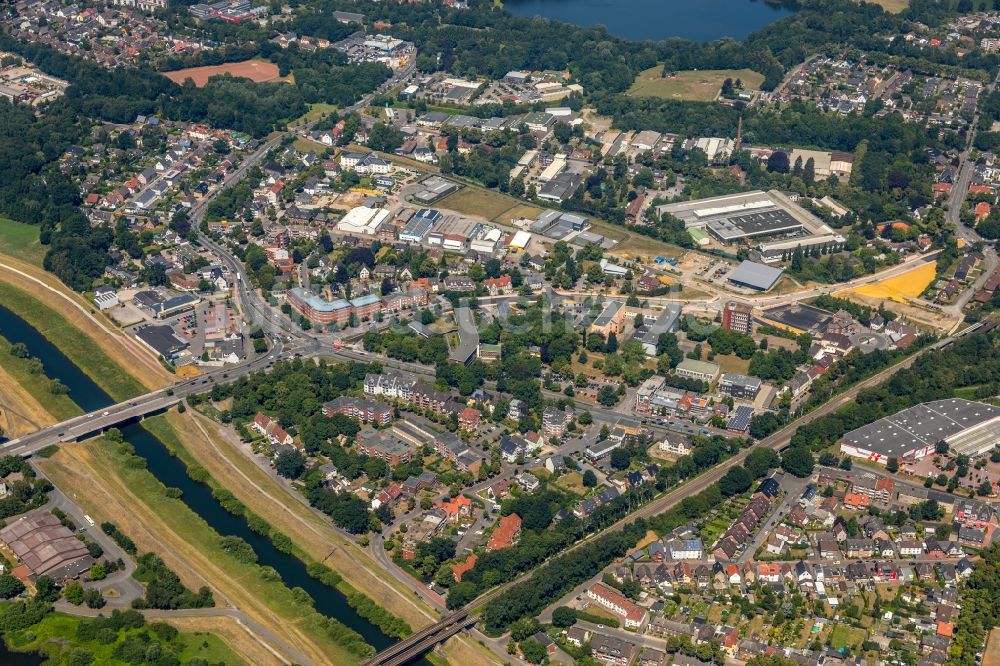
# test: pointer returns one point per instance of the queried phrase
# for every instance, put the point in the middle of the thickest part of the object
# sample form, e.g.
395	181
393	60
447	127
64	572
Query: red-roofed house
508	529
460	568
982	210
263	424
498	286
456	508
942	189
980	189
614	601
468	418
856	501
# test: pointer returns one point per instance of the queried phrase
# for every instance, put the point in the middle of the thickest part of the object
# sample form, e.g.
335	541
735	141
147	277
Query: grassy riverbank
176	433
112	484
28	393
71	341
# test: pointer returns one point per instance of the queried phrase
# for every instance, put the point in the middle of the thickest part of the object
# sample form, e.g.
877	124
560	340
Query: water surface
698	20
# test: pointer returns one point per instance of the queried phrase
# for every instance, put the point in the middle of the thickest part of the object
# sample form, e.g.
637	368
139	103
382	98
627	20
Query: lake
698	20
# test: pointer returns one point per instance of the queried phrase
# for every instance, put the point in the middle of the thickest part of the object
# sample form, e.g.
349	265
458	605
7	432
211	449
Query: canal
198	496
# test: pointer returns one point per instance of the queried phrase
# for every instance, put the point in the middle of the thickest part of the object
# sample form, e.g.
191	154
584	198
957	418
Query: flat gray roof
951	419
756	276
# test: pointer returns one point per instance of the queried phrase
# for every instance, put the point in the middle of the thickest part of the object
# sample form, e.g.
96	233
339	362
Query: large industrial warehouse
970	428
750	217
45	547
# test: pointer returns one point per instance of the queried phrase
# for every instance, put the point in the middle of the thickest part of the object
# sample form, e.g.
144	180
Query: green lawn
20	241
56	636
846	636
693	86
61	407
80	348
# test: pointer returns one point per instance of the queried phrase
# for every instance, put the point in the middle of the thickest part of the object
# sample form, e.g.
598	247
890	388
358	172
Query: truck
90	521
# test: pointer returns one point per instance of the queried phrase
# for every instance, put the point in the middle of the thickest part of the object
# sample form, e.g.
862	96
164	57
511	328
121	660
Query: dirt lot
257	71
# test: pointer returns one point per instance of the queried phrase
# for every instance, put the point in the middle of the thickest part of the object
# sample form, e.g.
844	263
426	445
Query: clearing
493	206
21	240
257	71
107	483
732	363
894	6
692	86
316	111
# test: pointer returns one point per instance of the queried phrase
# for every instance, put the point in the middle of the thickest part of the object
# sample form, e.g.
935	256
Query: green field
80	349
56	636
845	636
21	241
691	86
489	204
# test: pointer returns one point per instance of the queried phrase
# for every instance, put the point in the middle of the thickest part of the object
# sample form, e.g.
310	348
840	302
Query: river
172	473
697	20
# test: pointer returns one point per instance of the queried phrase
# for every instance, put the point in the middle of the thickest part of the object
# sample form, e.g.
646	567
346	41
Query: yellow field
901	288
693	86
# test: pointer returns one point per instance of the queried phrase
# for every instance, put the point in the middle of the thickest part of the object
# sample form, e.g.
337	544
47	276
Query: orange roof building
508	529
462	567
856	501
982	210
455	508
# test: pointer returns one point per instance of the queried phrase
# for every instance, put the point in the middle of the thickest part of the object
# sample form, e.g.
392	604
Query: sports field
691	86
257	71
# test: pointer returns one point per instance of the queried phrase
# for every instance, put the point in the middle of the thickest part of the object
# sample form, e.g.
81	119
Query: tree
892	466
620	458
735	481
10	586
941	447
290	463
605	432
532	650
589	479
778	162
797	461
759	461
563	617
74	593
46	589
985	489
607	395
